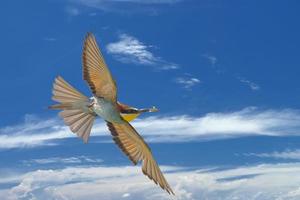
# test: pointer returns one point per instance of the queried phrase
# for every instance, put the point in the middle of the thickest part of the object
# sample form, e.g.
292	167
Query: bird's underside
79	112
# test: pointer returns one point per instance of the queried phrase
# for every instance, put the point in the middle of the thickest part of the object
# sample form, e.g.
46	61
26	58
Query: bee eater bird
79	112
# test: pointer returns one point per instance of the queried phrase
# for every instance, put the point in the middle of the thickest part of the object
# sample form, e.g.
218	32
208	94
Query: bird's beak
153	109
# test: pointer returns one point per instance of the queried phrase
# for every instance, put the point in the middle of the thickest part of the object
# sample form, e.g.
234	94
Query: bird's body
107	110
79	112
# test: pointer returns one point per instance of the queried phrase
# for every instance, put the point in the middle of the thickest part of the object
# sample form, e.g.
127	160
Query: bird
79	112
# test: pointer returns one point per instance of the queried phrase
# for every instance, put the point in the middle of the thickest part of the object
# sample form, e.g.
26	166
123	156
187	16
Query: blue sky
224	76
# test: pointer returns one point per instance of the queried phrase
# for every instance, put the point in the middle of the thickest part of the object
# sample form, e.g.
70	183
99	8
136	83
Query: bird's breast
106	110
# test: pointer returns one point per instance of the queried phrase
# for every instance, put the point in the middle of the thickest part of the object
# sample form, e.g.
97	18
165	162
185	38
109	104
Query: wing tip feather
149	167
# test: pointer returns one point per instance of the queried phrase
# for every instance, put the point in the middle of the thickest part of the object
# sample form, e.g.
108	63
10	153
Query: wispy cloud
99	2
72	11
117	5
287	154
62	160
253	86
130	50
127	7
266	181
49	39
249	121
33	132
212	59
187	82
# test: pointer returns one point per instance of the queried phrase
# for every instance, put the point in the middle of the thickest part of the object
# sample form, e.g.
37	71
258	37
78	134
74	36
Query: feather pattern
73	104
133	145
95	70
63	92
79	122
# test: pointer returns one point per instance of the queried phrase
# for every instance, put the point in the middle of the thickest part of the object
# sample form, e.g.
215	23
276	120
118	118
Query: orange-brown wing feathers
95	70
133	145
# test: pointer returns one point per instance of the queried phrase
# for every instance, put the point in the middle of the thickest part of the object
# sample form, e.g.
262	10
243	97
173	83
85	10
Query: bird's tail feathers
74	105
61	106
65	94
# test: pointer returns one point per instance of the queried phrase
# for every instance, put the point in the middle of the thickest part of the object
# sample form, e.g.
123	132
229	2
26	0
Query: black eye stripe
130	111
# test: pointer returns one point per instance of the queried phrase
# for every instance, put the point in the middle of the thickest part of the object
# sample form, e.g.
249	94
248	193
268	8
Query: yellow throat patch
129	117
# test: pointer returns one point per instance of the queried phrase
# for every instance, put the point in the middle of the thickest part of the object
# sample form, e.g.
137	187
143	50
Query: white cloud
249	121
266	181
87	182
126	195
33	132
287	154
61	160
148	7
212	59
130	50
253	86
187	82
104	4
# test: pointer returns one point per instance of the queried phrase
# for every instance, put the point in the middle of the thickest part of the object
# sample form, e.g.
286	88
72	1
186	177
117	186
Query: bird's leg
91	105
92	102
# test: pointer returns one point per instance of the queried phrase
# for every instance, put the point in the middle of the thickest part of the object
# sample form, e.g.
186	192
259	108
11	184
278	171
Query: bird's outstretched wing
96	72
133	145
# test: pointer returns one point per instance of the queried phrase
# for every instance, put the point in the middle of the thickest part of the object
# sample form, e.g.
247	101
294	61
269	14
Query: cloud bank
178	128
268	182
